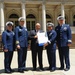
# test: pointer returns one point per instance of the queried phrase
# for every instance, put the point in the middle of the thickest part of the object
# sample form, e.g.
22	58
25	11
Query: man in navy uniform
8	41
51	47
35	48
63	42
21	35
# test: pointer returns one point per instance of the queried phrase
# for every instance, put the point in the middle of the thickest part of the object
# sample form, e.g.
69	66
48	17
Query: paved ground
45	63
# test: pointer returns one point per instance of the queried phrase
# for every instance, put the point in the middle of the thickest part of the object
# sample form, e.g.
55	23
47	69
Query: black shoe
41	69
25	70
48	69
61	68
11	70
52	69
8	71
66	69
34	69
21	71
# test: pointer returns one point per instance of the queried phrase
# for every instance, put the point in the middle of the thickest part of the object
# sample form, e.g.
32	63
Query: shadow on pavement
2	71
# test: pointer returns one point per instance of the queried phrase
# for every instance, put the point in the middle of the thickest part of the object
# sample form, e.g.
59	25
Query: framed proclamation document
42	38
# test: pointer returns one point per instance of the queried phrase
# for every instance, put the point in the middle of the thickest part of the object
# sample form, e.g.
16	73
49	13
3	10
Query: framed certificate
42	38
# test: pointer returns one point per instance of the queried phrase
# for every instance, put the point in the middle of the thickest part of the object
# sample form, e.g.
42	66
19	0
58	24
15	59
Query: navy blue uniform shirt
21	35
8	40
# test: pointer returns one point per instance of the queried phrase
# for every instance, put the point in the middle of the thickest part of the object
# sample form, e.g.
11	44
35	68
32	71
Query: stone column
62	11
1	18
44	17
71	17
40	15
55	16
24	12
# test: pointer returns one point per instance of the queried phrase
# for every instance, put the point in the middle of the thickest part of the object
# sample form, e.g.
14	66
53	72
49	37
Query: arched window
30	16
48	18
13	16
74	20
30	23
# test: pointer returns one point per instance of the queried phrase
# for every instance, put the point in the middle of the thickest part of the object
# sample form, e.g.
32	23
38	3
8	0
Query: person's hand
46	44
69	45
18	46
35	36
5	50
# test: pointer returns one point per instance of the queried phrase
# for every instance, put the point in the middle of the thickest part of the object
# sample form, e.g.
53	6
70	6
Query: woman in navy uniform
63	42
51	47
8	41
21	35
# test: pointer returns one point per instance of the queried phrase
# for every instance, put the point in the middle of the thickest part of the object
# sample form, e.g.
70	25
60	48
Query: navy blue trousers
64	56
22	53
8	59
51	54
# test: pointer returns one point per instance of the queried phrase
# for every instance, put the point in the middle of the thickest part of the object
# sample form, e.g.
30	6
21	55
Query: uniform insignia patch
65	28
50	34
20	29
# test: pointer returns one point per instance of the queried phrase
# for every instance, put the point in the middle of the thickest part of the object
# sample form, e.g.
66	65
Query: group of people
19	37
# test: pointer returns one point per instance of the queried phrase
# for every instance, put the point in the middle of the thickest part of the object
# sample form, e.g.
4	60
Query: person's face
60	22
37	26
49	28
21	23
9	27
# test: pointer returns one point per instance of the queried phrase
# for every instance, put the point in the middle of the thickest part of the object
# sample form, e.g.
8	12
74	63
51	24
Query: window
74	20
14	18
48	18
30	23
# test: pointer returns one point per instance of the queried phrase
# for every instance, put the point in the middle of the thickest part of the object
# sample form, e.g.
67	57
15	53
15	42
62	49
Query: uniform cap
50	24
21	19
9	23
60	18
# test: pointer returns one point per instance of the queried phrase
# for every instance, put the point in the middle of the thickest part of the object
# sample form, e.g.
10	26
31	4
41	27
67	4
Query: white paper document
42	38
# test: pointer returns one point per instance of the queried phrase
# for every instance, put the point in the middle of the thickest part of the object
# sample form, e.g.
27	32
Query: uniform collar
21	26
37	30
49	31
60	25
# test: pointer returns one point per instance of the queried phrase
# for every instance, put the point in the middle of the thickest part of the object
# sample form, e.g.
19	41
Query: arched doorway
14	19
48	18
30	22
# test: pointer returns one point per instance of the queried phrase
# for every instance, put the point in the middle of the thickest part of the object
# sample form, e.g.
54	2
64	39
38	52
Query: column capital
64	1
23	1
62	11
62	4
1	1
44	17
23	12
2	4
44	2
